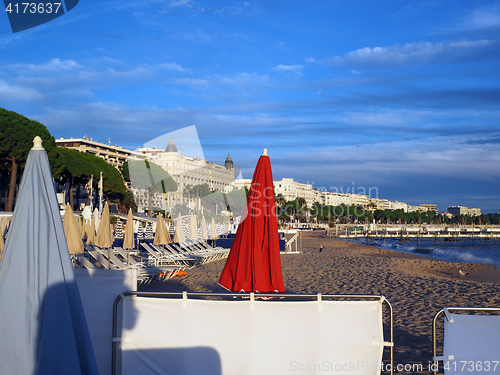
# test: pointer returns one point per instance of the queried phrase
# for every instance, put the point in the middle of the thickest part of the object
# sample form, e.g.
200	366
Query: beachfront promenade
416	232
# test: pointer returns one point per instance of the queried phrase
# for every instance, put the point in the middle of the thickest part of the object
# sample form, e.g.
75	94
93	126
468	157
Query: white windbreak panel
176	336
473	341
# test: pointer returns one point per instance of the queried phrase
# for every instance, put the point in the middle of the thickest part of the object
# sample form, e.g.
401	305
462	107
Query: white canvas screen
98	291
474	343
185	336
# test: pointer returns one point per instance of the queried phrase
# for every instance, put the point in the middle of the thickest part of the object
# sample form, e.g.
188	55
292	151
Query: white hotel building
291	190
186	170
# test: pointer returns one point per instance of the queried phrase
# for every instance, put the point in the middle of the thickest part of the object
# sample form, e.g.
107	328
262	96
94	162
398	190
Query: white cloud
471	43
172	67
289	68
391	162
409	53
180	3
236	10
110	74
52	65
192	81
10	92
482	19
244	78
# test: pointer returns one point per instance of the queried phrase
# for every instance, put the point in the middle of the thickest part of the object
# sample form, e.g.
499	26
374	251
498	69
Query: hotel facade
185	171
192	171
291	190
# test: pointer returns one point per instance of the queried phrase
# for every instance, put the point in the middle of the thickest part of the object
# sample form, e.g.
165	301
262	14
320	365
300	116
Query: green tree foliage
16	140
280	200
112	181
128	201
125	172
77	169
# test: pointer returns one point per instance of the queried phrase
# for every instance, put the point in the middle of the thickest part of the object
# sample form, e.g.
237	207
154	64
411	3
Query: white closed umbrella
204	231
193	229
179	231
72	231
213	230
128	241
104	238
42	313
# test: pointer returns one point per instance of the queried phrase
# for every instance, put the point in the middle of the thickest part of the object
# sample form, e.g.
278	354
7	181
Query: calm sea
476	252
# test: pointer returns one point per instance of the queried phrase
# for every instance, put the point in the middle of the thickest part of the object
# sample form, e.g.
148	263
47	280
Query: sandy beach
417	287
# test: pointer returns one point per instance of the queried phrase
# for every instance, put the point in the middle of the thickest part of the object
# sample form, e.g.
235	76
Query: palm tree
280	200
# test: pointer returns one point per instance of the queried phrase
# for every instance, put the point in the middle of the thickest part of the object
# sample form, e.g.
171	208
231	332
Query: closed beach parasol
193	229
103	238
213	230
2	244
72	231
204	232
81	226
97	219
42	321
91	234
87	213
149	232
161	236
87	217
128	241
119	229
254	264
179	231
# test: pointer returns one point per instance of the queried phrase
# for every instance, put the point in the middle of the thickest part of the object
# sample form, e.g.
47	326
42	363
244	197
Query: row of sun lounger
120	259
155	263
189	254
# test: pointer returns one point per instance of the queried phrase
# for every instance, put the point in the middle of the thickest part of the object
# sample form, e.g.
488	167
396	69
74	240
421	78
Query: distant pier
419	233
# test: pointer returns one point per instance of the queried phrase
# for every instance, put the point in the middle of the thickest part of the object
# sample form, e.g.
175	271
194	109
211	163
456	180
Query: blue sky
401	96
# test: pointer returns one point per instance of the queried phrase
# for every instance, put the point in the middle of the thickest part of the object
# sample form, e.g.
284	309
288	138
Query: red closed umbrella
254	264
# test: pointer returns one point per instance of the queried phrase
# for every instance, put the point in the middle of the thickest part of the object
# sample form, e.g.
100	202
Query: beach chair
149	270
128	258
158	257
206	252
471	340
117	262
188	260
100	258
109	258
201	257
84	262
246	335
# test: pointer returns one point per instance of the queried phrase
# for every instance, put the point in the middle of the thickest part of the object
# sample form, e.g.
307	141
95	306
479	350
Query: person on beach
320	248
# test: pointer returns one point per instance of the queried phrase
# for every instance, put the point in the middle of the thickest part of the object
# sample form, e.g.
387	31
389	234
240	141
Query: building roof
171	147
229	162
